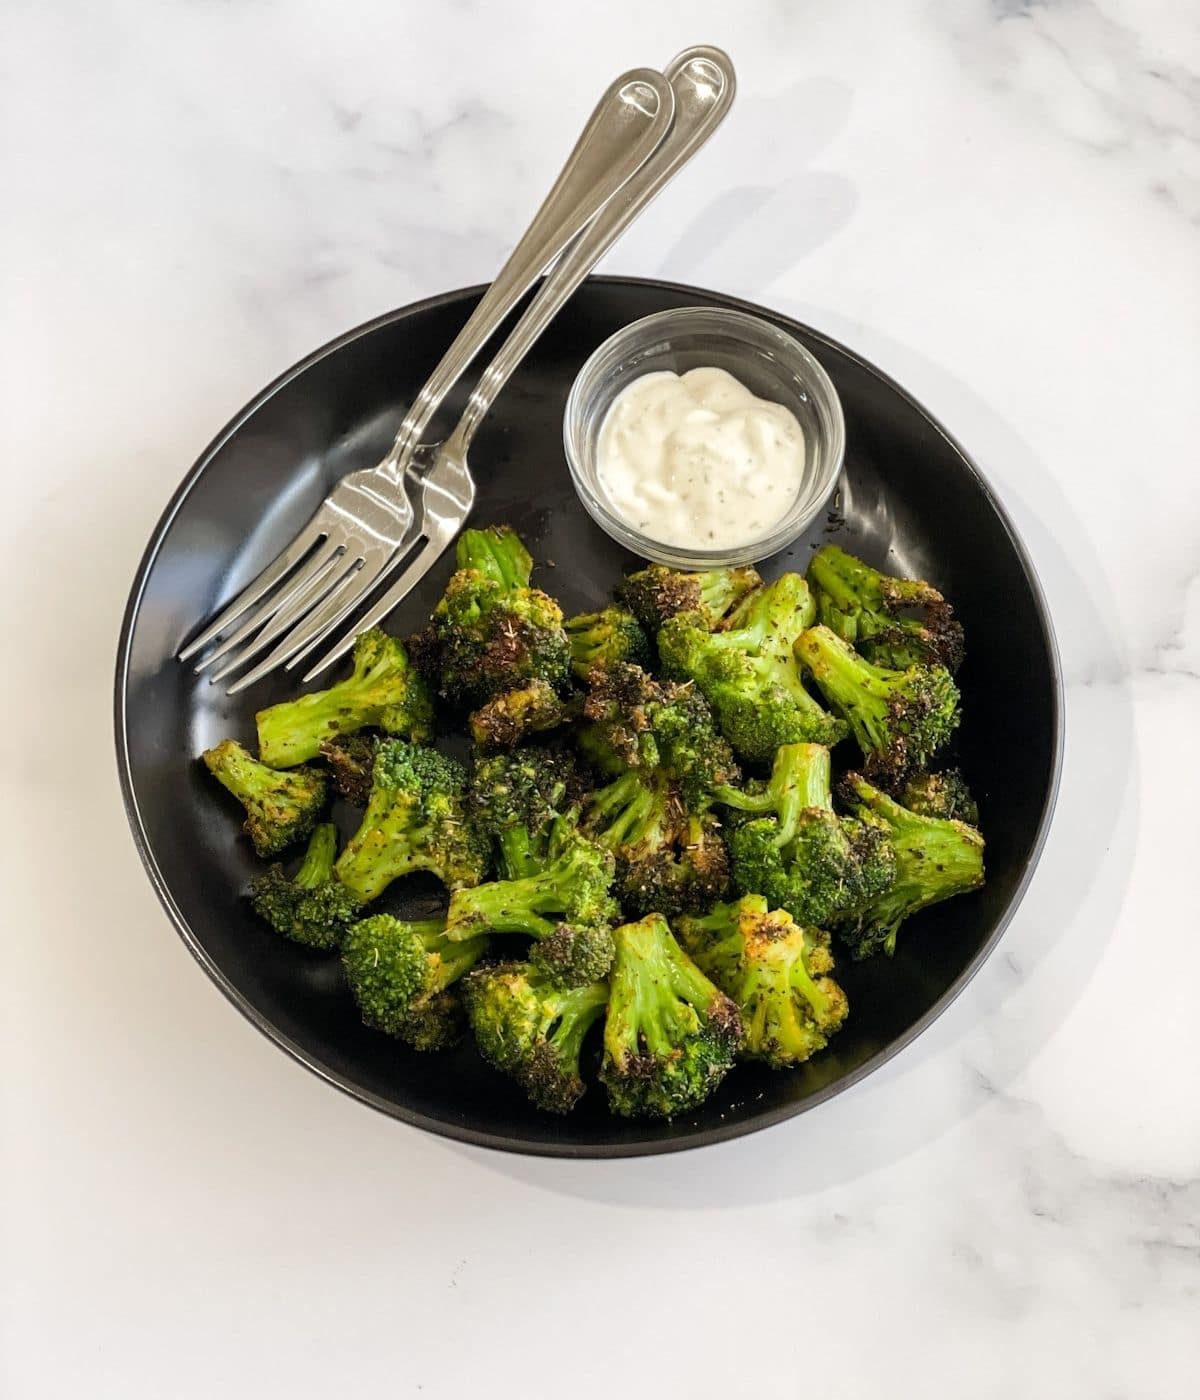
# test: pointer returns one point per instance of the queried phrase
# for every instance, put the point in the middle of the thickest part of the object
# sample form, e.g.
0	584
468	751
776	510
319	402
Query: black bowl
911	500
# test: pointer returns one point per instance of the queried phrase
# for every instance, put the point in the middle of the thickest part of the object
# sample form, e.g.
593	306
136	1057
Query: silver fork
704	83
345	547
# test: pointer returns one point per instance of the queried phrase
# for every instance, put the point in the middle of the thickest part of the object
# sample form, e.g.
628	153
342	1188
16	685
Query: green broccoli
748	672
796	852
384	692
312	907
670	1035
491	632
868	609
574	954
531	1028
601	639
514	715
351	760
516	798
944	794
415	820
778	974
655	593
400	974
900	718
935	859
281	808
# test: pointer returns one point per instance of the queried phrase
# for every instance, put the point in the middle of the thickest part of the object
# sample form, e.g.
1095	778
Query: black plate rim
462	1132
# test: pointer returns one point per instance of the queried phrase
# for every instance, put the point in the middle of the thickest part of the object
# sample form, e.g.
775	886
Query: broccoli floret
656	593
530	1027
491	632
778	974
415	820
870	611
574	954
515	714
670	1035
400	973
351	760
796	851
516	798
935	859
605	638
281	808
748	672
944	794
312	907
669	860
383	692
900	718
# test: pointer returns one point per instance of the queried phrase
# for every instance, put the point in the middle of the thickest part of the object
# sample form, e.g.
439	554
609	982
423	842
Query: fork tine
282	564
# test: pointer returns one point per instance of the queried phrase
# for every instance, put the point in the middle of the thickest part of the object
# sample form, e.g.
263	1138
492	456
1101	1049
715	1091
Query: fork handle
628	123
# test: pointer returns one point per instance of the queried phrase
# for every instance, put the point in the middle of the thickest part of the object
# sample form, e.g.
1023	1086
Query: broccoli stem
498	554
514	906
317	865
861	691
800	779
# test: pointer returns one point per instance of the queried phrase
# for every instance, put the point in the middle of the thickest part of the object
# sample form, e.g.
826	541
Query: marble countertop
996	202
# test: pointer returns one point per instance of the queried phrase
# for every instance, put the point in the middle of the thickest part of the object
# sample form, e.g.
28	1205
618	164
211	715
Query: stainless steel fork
704	84
345	547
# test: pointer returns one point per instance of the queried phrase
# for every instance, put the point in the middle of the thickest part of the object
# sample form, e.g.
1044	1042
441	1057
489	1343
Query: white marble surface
999	203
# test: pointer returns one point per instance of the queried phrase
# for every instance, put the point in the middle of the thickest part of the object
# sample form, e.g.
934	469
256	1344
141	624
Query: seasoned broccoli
944	794
778	974
351	760
900	718
935	859
670	1035
868	609
574	954
748	670
491	632
312	907
400	974
796	852
530	1027
383	692
281	808
513	715
668	859
517	797
415	820
656	593
604	638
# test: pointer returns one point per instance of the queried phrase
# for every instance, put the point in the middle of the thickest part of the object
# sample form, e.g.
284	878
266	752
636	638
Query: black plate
911	500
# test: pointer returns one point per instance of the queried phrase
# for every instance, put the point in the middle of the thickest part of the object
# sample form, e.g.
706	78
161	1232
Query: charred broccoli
944	794
655	593
383	692
312	907
516	799
281	808
415	820
935	859
869	610
605	638
748	672
670	1035
351	760
778	974
513	715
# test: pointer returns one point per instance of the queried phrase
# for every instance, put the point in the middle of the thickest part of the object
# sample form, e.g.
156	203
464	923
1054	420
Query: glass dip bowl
768	361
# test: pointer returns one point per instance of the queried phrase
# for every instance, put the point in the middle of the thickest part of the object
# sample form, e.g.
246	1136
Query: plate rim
464	1132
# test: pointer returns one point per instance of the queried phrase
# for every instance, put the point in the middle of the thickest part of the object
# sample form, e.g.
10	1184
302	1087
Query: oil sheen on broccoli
312	907
281	808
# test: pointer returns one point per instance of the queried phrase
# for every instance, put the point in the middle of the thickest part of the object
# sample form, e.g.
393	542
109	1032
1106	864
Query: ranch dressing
697	460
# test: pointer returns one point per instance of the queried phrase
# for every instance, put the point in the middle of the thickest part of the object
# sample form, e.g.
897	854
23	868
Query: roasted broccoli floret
900	718
656	593
514	715
748	672
935	859
383	692
605	638
944	794
574	954
776	971
516	799
530	1027
400	973
668	859
351	760
415	820
491	632
312	907
796	851
670	1035
281	808
872	611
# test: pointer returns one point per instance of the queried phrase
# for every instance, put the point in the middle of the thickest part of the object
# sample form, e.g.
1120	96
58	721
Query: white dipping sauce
696	459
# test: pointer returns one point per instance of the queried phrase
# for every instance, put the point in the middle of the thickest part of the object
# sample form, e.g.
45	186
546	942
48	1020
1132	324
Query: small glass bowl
768	361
